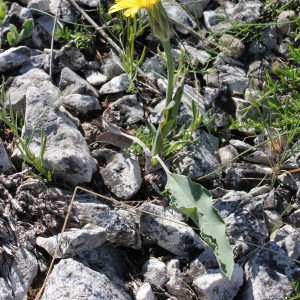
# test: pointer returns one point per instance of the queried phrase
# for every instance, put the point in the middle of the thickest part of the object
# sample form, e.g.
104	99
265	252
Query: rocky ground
136	247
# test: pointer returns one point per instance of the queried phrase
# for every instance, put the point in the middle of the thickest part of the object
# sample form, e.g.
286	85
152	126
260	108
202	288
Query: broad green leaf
3	10
196	201
28	27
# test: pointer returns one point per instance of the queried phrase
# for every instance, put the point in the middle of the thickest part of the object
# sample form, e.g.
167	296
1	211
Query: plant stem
170	68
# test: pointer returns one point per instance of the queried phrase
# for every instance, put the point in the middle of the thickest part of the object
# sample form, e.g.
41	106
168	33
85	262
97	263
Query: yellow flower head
132	6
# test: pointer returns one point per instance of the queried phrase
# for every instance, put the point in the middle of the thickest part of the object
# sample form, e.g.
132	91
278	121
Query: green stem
170	68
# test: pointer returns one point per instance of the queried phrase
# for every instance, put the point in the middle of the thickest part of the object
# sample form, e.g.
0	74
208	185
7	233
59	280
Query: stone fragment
22	270
66	150
260	157
288	239
152	68
268	274
269	36
111	66
42	5
13	58
122	176
228	155
173	267
89	3
90	132
292	180
273	220
5	163
175	11
198	58
125	111
145	292
70	279
284	23
68	57
74	241
81	103
233	76
71	83
94	77
178	288
215	286
231	46
178	239
198	159
37	60
240	145
66	11
155	272
195	8
116	85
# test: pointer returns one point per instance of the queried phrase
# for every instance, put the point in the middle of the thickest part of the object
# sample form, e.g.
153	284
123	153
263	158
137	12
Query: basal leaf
196	201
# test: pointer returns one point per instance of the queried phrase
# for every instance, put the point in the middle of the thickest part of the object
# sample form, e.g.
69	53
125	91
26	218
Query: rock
231	46
198	58
71	83
246	224
36	60
155	272
236	174
284	23
66	150
228	155
42	5
81	103
268	274
293	161
209	96
66	11
240	13
234	77
198	159
145	292
272	218
70	279
240	145
176	238
288	239
207	259
260	190
269	36
292	180
5	164
14	58
260	157
256	47
119	231
41	39
176	12
73	241
116	85
94	77
125	111
173	267
111	66
22	270
122	176
89	3
256	71
68	57
195	8
178	288
152	68
215	286
90	132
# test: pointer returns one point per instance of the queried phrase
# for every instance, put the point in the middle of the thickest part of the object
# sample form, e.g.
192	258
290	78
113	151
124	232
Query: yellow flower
132	6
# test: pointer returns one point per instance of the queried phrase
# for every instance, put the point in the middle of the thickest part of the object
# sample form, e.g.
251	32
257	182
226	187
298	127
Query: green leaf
3	10
196	201
28	27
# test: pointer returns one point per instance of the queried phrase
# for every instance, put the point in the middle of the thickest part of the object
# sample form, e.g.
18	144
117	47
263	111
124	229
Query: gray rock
68	57
260	157
122	176
209	96
269	36
241	13
246	224
116	85
198	58
198	159
292	180
268	274
288	239
71	83
235	77
66	150
155	272
256	72
236	174
293	162
5	163
215	286
47	23
111	66
145	292
125	111
256	47
273	220
42	5
119	231
70	279
90	132
195	8
74	241
178	288
13	58
207	259
71	115
94	77
176	12
240	145
173	267
66	11
284	23
89	3
16	15
37	60
227	155
293	218
231	46
152	68
260	190
178	239
40	39
81	103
